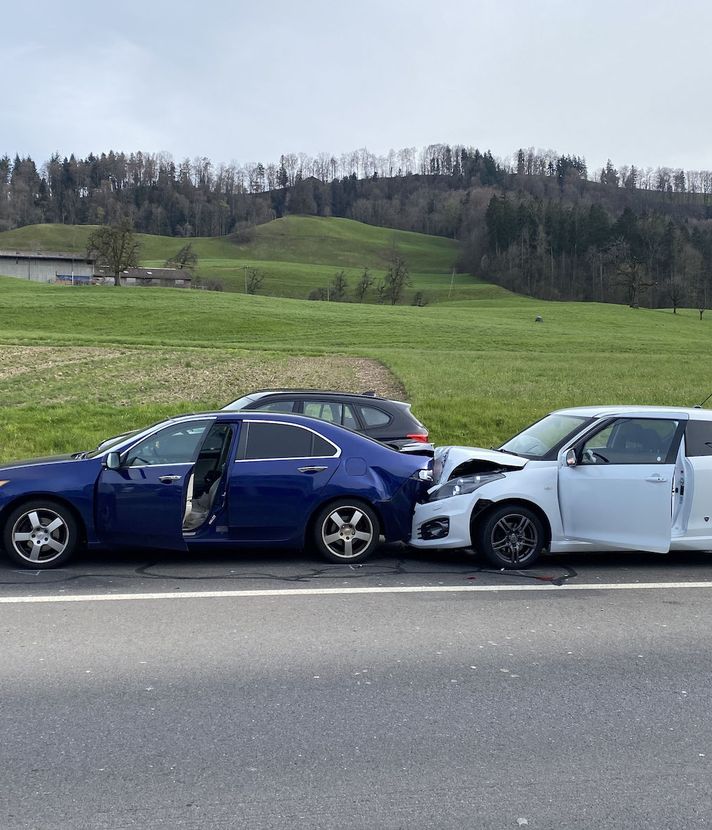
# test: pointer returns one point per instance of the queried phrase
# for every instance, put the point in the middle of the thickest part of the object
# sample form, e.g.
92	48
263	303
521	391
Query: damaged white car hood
447	462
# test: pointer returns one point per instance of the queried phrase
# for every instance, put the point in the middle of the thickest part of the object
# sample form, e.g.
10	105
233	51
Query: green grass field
476	370
295	255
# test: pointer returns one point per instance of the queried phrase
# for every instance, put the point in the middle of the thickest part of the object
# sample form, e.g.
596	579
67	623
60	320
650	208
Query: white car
590	478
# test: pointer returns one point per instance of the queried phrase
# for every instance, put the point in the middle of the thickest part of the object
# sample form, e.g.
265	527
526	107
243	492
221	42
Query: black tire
26	534
347	530
510	536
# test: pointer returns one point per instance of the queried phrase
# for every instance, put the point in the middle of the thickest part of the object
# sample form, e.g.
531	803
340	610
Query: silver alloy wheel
514	537
347	531
40	535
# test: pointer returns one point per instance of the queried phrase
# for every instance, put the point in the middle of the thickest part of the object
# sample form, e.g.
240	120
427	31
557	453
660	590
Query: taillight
418	436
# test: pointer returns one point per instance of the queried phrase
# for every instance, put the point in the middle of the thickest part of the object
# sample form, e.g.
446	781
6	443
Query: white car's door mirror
571	460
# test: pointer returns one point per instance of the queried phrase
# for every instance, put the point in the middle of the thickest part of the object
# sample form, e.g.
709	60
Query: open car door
615	487
142	503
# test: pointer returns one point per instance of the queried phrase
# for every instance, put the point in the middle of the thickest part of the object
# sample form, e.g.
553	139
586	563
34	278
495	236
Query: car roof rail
304	390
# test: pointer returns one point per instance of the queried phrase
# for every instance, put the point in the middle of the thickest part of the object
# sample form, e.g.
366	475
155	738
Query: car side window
176	444
698	438
324	410
332	411
349	418
374	417
267	441
631	441
275	406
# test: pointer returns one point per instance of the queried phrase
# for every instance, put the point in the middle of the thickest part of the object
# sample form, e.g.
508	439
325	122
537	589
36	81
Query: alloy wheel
40	535
515	538
346	532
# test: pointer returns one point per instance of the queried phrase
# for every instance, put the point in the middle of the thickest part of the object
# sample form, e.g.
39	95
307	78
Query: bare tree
395	282
185	258
630	271
337	287
364	283
115	248
676	293
253	280
701	282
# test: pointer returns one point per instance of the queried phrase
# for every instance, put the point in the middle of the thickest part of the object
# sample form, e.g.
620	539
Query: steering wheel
592	455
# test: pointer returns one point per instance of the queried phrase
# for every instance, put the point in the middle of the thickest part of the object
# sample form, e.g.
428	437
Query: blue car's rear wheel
40	534
346	531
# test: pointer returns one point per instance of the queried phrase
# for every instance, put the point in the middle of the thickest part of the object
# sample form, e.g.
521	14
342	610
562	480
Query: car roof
302	391
692	413
318	424
325	393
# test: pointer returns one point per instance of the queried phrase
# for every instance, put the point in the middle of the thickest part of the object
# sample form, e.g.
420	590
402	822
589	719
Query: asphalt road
269	703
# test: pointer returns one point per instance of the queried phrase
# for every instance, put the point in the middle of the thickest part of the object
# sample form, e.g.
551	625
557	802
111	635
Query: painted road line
378	589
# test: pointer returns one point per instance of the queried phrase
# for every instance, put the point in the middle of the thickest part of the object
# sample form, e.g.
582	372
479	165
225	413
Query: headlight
3	483
462	486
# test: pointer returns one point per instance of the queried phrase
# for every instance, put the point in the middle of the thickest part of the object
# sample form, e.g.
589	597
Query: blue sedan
224	479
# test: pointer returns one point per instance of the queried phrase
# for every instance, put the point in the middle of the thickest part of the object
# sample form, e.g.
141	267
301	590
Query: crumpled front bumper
457	510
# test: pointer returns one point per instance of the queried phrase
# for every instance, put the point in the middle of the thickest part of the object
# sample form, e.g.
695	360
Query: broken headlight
462	486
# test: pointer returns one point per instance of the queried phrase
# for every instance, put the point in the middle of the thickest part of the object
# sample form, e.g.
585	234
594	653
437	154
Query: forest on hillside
538	222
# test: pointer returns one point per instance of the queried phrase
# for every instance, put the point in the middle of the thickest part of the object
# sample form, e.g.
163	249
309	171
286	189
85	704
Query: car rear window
698	438
373	417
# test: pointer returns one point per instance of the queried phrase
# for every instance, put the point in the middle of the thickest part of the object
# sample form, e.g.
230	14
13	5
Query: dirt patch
228	379
208	377
20	360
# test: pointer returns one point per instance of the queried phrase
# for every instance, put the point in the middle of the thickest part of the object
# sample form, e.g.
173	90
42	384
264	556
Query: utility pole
452	279
245	279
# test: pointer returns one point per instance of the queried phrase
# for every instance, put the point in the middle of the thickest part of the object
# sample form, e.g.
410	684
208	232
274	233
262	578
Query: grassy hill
476	371
295	255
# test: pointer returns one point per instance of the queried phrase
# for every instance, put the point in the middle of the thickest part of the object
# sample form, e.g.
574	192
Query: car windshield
541	438
107	445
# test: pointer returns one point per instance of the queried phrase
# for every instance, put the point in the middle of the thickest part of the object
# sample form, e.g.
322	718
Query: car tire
346	531
40	534
510	537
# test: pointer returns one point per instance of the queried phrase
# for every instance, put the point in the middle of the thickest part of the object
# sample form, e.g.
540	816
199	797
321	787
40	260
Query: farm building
46	266
154	277
75	269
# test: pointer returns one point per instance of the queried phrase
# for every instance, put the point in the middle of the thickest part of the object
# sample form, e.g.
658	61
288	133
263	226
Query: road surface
268	690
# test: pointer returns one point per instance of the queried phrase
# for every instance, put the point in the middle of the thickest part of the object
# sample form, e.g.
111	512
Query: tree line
537	221
547	249
427	190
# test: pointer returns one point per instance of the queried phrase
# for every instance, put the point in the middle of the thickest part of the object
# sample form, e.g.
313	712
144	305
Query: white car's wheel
511	536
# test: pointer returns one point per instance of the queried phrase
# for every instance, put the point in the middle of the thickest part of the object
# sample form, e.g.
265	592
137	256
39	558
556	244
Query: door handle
168	479
315	469
656	479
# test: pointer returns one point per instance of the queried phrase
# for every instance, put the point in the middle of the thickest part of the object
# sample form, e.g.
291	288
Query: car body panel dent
623	481
146	501
448	460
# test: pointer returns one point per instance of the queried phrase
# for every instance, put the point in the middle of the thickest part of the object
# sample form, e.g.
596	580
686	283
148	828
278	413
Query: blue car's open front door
142	503
143	506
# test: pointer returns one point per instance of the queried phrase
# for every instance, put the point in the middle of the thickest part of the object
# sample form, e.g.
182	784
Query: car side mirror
112	461
571	460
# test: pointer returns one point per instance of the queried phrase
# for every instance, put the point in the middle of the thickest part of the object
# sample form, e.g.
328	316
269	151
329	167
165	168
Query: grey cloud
245	81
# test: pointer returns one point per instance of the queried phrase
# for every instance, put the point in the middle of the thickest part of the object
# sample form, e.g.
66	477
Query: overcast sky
245	81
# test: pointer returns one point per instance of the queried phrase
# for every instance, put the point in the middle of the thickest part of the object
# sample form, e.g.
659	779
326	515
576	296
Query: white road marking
379	589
